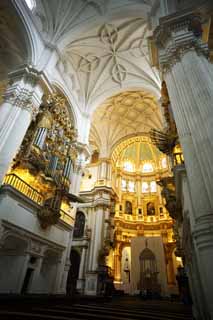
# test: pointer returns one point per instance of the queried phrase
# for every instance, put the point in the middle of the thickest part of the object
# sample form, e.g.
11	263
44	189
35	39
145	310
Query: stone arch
130	140
17	44
12	259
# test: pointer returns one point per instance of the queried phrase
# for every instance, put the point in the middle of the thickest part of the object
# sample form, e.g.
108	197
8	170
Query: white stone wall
50	247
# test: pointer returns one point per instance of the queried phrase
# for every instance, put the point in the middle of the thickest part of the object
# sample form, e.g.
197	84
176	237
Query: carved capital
177	35
203	231
22	91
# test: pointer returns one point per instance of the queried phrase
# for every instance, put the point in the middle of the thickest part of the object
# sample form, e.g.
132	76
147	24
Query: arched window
79	225
128	166
147	167
128	207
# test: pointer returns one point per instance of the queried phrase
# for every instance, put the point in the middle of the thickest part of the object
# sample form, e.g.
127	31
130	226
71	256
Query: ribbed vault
131	113
102	46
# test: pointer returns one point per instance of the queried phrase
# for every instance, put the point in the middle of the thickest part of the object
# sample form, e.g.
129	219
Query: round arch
29	32
126	142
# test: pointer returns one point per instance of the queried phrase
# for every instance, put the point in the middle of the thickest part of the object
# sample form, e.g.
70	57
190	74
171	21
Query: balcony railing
23	187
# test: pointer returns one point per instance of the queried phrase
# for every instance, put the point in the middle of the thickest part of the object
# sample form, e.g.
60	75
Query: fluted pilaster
183	58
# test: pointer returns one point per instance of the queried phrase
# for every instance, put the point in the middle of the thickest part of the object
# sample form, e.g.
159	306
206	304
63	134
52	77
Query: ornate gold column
117	264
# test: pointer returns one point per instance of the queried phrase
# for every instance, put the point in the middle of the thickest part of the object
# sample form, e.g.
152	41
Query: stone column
81	276
67	263
119	179
23	272
21	102
76	178
105	172
138	189
79	165
98	235
58	274
188	75
34	288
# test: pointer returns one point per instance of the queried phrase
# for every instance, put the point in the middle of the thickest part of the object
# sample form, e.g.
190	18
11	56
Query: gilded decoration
140	209
46	157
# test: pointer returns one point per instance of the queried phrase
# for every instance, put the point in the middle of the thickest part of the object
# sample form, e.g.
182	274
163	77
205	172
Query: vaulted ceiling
101	44
131	113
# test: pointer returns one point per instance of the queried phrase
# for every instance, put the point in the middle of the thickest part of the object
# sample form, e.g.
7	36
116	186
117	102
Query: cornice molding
176	35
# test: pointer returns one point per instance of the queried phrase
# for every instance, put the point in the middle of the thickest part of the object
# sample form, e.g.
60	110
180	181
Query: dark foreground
118	308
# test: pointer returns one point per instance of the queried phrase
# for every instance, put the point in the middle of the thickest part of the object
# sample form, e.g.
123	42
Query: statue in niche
150	209
128	207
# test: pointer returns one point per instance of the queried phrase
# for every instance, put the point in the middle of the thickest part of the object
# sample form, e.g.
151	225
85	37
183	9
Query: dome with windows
138	154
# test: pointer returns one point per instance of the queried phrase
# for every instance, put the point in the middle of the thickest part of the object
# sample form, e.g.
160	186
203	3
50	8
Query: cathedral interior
106	150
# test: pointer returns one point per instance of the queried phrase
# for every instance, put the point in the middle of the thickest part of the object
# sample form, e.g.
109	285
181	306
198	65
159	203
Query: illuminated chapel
106	153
